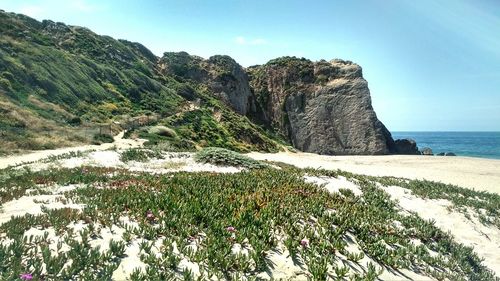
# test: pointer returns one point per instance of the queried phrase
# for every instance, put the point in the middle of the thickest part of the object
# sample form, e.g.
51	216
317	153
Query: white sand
335	184
33	204
475	173
471	232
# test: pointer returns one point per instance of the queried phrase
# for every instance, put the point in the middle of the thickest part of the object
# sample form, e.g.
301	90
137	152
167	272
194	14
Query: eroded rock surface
322	107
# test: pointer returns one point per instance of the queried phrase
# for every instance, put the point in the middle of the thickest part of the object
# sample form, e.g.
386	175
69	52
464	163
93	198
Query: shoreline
480	174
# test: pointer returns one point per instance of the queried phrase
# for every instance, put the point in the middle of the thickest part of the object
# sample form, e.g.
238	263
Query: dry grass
49	106
27	131
174	165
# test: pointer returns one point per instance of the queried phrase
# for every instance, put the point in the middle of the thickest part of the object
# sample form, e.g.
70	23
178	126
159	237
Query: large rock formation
222	74
322	107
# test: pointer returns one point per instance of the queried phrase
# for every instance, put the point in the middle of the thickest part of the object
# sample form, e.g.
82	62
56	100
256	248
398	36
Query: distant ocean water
473	144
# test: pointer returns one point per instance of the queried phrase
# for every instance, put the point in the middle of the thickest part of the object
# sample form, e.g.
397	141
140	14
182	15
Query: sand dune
474	173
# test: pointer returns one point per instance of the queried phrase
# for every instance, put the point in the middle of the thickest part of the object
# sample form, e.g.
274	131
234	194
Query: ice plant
231	229
26	276
304	242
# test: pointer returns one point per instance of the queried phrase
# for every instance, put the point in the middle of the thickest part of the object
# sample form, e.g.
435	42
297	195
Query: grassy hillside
58	82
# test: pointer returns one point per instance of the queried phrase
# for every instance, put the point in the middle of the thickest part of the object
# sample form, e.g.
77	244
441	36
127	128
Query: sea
472	144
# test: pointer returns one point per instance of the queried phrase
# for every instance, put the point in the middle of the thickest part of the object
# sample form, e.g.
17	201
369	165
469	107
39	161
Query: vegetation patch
225	157
257	209
140	155
162	131
102	138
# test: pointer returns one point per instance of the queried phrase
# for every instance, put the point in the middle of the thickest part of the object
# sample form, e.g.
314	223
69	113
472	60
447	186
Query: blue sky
430	64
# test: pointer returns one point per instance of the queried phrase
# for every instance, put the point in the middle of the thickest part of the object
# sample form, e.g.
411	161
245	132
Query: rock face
223	75
322	107
406	146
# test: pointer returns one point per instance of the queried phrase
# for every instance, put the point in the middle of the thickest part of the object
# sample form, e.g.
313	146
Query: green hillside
59	84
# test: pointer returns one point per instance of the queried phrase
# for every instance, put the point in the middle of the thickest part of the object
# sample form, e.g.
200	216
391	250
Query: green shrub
75	121
321	79
102	138
221	156
162	131
5	84
140	155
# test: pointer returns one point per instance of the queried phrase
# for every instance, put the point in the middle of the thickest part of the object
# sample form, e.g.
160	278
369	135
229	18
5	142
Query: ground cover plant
221	156
485	204
199	218
140	154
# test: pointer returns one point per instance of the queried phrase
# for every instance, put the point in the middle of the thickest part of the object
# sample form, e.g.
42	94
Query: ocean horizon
471	144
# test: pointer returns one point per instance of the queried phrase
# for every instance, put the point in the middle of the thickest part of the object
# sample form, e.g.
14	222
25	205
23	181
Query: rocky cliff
322	107
225	78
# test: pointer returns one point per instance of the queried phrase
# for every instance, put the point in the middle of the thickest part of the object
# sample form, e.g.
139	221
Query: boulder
426	151
440	154
450	154
406	146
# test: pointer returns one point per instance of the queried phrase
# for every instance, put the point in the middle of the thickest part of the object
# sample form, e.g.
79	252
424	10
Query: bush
162	131
75	121
102	138
139	155
221	156
5	84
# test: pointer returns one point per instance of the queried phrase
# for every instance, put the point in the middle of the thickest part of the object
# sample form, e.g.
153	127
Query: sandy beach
475	173
466	228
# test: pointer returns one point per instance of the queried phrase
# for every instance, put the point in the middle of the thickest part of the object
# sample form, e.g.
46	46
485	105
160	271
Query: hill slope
60	83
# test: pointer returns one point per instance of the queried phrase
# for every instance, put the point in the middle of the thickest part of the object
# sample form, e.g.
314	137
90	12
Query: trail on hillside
119	142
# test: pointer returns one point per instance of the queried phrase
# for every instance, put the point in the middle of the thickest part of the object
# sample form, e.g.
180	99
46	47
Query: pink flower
304	242
231	229
26	276
150	216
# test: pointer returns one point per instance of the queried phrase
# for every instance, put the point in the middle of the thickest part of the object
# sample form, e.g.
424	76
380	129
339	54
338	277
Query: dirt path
119	142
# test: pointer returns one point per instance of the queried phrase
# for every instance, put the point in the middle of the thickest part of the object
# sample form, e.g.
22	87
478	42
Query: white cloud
240	40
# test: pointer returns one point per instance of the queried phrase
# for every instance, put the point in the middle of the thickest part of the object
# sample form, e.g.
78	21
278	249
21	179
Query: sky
431	65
